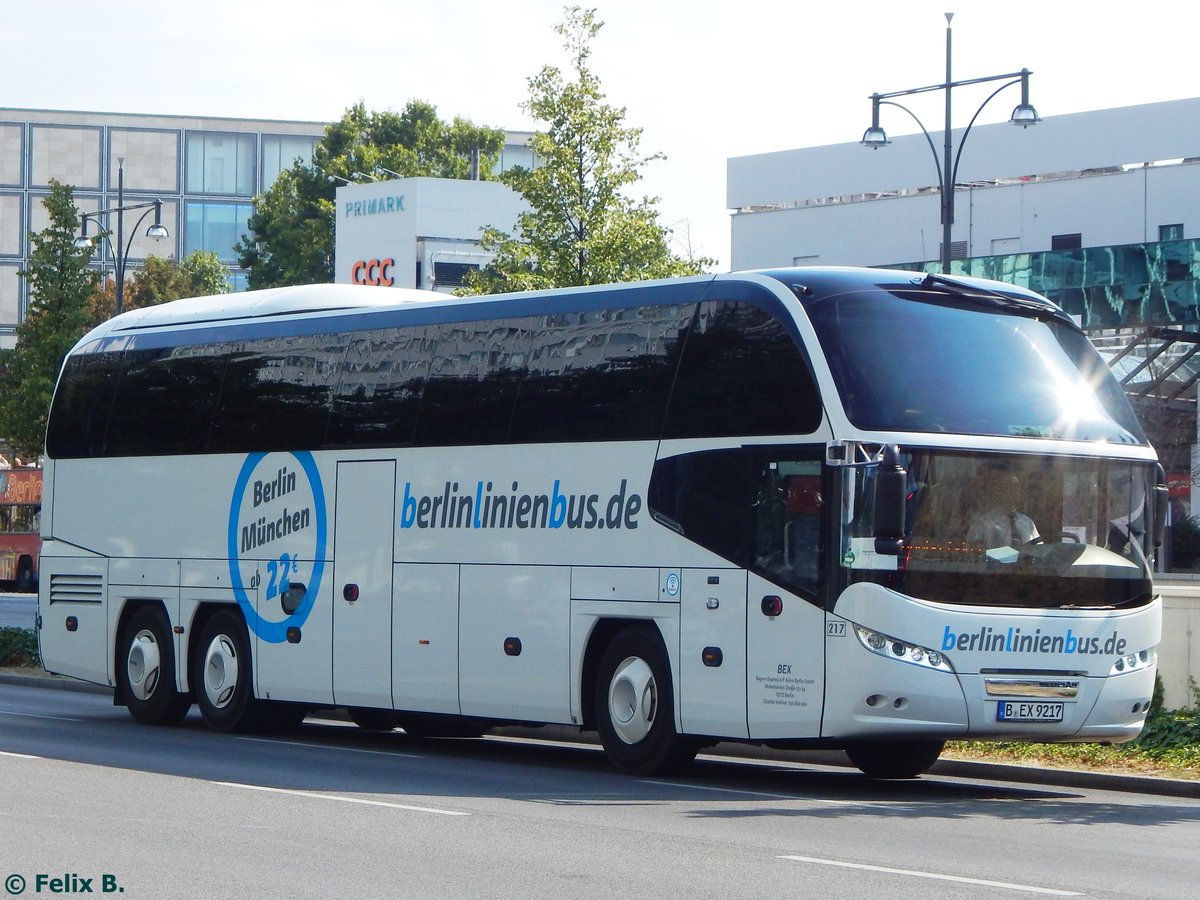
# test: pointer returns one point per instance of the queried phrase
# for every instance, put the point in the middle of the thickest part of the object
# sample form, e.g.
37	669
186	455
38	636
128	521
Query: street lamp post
947	167
120	250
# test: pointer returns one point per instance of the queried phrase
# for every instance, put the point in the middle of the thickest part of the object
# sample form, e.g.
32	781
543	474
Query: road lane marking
332	747
359	800
960	879
6	712
18	755
704	787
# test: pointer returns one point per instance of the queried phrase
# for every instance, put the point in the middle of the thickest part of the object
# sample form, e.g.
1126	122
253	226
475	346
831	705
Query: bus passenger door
785	677
362	583
712	652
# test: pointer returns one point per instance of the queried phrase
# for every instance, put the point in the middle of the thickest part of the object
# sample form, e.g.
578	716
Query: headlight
883	645
1132	662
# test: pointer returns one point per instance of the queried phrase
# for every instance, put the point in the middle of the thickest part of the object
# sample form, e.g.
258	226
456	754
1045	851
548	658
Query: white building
1086	180
418	232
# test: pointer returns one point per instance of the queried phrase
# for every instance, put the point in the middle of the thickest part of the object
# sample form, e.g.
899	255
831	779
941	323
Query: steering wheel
1069	536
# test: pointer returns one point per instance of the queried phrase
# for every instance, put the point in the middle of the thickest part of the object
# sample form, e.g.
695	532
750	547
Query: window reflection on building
1103	287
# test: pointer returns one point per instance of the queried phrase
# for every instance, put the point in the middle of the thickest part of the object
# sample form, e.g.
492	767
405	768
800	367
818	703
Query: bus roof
321	301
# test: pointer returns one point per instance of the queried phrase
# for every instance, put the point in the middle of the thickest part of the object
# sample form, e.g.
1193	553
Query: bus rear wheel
894	759
146	669
635	706
222	676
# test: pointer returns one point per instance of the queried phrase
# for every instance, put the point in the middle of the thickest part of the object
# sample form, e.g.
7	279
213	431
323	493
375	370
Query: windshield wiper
990	299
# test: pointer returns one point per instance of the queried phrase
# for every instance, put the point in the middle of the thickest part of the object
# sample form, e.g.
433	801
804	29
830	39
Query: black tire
372	719
146	669
894	759
25	580
222	676
635	706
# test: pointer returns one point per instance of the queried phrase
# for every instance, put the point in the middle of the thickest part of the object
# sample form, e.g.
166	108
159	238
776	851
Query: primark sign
392	203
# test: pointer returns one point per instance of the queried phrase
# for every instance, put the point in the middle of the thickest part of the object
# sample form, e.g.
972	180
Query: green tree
200	274
291	230
60	286
582	226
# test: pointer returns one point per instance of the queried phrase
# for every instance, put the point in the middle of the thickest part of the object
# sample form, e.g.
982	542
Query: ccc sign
373	271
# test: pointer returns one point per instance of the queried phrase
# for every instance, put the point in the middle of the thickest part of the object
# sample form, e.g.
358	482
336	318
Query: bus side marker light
512	646
72	623
712	657
350	593
772	606
293	635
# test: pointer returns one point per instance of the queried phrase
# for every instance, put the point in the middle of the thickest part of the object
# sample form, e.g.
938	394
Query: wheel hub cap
143	665
633	700
220	671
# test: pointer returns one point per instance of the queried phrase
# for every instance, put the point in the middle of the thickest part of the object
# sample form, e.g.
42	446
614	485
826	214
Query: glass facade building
1130	285
206	172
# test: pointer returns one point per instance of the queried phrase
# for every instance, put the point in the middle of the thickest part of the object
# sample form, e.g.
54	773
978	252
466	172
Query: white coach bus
805	507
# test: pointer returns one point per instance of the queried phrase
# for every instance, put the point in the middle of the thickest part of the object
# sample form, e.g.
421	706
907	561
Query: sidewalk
952	768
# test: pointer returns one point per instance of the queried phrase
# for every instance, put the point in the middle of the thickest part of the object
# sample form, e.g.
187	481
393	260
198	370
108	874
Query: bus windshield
913	359
1008	530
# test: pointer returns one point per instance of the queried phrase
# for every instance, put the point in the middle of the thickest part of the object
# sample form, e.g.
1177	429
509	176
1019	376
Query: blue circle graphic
275	632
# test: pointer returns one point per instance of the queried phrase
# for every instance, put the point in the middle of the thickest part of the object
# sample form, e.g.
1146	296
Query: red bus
20	522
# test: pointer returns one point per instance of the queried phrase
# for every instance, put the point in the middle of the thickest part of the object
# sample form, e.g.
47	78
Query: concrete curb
53	683
951	768
1068	778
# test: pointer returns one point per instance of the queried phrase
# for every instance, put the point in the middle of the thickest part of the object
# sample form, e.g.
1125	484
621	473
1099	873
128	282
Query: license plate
1024	711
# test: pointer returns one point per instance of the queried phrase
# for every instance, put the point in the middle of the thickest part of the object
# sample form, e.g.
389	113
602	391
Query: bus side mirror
1161	504
891	494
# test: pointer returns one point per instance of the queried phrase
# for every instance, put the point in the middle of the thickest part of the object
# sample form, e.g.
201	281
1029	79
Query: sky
706	80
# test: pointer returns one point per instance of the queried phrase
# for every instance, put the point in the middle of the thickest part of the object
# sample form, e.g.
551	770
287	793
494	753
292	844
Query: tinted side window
600	375
472	384
741	374
79	416
277	393
165	401
379	395
761	508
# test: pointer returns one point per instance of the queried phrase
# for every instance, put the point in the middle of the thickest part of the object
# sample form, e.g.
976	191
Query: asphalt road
17	610
330	811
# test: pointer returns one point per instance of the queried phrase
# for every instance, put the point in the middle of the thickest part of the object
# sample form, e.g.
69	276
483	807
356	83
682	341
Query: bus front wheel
894	759
635	706
147	669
